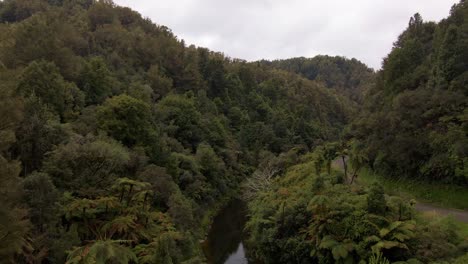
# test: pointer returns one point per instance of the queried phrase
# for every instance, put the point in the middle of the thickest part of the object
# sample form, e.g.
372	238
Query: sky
280	29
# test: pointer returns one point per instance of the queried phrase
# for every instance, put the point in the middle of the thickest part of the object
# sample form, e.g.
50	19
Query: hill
119	140
415	118
348	77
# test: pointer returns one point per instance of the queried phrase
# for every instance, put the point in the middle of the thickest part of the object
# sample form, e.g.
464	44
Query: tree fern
378	258
102	252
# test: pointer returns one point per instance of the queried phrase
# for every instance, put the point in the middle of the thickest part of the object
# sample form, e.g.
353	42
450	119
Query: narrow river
224	244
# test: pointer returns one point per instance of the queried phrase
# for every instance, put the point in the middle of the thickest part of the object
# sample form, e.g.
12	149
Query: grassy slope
449	196
439	194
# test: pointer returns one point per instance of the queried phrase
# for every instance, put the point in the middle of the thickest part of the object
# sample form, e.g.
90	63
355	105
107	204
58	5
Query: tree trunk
122	194
144	202
355	174
129	199
345	167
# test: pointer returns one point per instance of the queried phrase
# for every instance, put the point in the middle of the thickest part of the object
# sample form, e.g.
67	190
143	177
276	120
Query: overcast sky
276	29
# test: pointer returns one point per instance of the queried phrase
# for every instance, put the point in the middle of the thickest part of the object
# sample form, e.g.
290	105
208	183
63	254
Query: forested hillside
348	77
415	121
414	125
118	140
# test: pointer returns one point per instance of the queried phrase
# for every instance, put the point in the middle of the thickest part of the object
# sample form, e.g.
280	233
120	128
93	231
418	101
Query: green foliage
378	258
37	134
86	165
120	226
95	81
14	225
101	252
211	166
62	241
181	118
445	195
348	76
41	196
376	203
461	260
160	84
126	119
180	210
413	124
291	222
130	137
42	79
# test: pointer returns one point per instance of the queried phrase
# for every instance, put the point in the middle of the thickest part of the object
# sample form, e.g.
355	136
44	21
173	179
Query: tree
18	10
409	123
357	159
38	133
343	154
115	222
101	13
43	80
96	81
330	153
376	203
181	119
86	166
41	196
161	182
211	166
126	119
102	252
14	225
180	209
259	182
394	235
349	77
289	223
160	83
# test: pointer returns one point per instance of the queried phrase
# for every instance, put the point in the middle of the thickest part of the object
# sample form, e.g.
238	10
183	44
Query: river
224	244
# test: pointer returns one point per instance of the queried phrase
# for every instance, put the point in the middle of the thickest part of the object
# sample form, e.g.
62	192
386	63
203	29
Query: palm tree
343	153
357	160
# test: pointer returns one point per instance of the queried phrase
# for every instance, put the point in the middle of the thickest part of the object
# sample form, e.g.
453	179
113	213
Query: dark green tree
126	119
96	81
43	80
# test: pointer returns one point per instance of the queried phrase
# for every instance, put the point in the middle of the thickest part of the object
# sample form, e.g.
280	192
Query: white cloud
271	29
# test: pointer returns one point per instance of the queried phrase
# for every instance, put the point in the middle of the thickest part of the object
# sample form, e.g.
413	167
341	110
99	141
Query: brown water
224	244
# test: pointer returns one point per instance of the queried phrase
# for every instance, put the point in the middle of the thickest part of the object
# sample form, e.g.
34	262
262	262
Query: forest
119	142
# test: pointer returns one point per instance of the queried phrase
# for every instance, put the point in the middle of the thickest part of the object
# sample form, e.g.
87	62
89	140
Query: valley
120	143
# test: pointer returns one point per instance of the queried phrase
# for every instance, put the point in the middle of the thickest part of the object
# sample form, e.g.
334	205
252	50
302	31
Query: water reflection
224	243
237	257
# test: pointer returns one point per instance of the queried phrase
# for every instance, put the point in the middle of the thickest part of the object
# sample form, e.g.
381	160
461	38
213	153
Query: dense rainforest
415	119
413	124
311	214
118	142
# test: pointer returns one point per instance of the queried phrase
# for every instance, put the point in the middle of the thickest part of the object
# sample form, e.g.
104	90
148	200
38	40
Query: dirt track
459	215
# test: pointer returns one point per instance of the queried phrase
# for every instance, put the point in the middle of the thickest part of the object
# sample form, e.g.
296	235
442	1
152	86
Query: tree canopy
414	120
